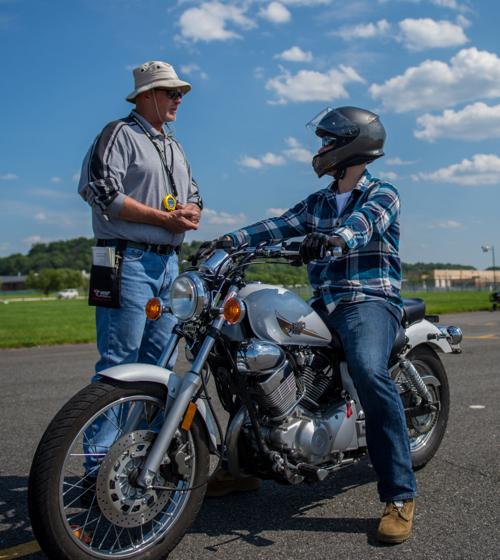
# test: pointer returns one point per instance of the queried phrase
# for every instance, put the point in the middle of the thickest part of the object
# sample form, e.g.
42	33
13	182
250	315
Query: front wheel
83	500
426	432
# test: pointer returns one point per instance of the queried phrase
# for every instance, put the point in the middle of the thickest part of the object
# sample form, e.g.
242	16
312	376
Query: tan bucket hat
156	74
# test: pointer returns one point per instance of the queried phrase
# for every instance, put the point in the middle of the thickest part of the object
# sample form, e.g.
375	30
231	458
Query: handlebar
290	250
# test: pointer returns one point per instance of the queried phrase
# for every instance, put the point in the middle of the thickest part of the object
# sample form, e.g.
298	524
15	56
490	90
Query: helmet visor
332	123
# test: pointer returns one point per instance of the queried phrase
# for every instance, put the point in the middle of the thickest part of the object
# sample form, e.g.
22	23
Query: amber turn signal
189	416
154	309
234	310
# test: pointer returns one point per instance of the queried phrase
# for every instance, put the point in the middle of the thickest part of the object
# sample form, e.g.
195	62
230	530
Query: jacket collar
365	181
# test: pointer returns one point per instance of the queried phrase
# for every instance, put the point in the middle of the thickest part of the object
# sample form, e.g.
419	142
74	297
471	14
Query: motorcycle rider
359	292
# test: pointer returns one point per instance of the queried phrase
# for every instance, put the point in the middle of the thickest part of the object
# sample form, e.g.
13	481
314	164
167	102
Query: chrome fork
191	383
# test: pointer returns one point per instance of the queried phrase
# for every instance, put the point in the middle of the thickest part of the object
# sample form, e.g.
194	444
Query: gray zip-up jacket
122	162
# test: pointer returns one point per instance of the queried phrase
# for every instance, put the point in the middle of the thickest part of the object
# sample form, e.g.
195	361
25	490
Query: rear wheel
426	432
83	498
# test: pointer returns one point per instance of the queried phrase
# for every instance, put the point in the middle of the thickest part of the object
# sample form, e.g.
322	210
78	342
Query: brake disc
121	501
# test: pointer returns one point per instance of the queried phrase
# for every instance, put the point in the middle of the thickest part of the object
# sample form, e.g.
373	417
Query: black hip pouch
104	288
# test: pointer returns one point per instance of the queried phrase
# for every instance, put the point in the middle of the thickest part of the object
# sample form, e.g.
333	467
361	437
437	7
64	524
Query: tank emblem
299	327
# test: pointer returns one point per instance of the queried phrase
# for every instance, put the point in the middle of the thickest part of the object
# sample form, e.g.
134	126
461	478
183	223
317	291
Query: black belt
149	247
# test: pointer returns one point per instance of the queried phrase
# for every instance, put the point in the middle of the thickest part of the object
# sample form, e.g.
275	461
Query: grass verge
37	323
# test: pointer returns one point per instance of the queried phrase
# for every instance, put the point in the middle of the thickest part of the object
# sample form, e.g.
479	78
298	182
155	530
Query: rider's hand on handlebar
226	243
315	246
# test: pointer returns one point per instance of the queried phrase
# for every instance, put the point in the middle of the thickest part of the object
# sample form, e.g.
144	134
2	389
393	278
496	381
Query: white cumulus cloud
210	20
55	180
388	175
269	158
474	122
275	12
306	2
275	212
272	159
8	177
296	152
214	217
398	161
470	74
193	70
481	169
446	224
427	33
309	85
364	30
295	54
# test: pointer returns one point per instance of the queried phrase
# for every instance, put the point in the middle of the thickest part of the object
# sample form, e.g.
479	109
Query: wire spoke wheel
101	510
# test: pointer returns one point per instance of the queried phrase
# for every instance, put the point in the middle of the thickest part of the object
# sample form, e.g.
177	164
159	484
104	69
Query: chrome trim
455	334
201	295
215	264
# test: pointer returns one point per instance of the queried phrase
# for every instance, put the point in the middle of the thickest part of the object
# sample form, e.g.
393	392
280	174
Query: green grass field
37	323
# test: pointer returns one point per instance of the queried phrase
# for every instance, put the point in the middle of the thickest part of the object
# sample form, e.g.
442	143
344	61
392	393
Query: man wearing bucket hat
138	182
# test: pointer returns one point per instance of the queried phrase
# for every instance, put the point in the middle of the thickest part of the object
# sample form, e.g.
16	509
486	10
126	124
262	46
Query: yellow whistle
169	202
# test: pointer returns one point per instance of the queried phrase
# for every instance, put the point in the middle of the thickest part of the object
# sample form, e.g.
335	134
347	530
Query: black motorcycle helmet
350	136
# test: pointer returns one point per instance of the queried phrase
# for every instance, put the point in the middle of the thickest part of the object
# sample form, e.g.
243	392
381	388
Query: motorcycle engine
277	381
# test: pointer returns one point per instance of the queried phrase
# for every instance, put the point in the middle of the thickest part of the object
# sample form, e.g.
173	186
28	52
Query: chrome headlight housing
189	296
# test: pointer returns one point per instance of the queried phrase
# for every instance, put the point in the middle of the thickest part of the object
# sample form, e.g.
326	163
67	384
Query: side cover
279	315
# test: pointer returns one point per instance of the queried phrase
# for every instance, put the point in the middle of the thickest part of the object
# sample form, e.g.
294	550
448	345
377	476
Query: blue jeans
126	336
368	330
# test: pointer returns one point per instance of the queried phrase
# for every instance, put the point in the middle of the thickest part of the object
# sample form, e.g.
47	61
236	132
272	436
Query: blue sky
260	71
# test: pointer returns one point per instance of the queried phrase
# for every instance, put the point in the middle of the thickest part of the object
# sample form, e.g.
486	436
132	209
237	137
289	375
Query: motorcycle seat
413	311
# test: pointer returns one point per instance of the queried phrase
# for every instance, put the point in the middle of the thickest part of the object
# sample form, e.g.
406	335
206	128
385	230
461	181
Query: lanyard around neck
163	157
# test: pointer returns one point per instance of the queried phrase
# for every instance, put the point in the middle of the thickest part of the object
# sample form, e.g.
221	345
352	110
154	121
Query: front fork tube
191	383
169	348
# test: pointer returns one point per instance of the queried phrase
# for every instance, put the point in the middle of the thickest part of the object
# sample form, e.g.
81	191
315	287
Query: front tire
427	431
81	510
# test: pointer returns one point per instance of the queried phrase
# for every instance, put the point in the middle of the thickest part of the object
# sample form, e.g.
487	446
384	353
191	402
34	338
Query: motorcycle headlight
188	296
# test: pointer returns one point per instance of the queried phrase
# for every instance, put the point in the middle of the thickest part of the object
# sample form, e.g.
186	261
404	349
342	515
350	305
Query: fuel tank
280	315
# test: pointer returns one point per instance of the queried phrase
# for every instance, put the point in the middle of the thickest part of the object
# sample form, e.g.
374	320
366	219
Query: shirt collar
364	182
148	126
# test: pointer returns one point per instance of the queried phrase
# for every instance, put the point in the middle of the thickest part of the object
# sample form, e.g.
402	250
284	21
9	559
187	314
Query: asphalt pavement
457	513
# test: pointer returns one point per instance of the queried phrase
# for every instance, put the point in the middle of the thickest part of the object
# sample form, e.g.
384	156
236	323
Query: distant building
13	283
480	279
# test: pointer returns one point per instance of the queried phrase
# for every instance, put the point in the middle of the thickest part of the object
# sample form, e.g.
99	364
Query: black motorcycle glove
226	243
313	247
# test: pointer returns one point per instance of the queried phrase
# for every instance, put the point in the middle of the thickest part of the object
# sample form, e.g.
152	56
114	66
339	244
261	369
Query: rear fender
133	373
418	334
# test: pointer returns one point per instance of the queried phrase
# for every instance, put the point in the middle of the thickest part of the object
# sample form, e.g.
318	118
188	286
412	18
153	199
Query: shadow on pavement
246	517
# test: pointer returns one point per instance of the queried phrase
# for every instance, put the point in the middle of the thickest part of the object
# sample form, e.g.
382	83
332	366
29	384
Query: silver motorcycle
121	471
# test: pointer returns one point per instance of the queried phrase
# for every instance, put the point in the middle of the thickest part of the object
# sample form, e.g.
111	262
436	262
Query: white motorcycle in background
294	412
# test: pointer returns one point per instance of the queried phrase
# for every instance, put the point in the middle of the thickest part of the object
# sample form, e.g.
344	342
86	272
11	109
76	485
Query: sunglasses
173	94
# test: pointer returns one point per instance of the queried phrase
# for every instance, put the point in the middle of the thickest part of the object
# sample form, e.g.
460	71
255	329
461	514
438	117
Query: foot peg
312	472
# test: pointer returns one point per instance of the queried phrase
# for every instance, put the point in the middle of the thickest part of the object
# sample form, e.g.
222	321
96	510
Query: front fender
418	334
133	373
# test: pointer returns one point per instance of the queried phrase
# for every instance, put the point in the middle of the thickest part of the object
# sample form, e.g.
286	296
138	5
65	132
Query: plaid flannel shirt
369	225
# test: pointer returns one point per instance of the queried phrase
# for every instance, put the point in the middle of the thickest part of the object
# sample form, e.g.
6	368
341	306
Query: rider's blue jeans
125	335
368	330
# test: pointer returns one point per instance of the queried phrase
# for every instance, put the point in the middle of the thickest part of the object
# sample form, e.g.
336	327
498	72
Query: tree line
52	264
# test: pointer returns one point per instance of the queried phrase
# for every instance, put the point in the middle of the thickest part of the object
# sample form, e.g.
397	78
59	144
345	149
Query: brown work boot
396	523
222	484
